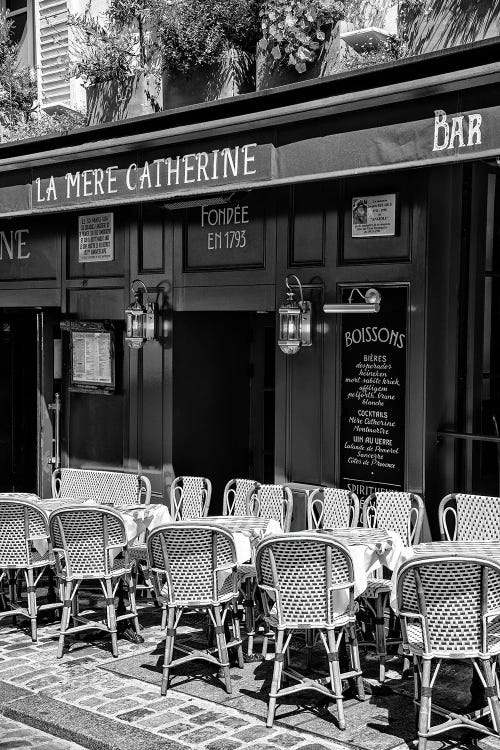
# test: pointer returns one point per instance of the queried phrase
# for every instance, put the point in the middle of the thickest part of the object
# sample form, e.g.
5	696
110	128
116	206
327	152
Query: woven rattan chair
332	508
195	567
469	517
190	497
272	501
449	608
90	544
24	550
401	512
118	488
304	577
235	496
269	501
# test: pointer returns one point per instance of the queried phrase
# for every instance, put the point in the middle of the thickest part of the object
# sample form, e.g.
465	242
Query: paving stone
176	729
155	721
223	744
232	721
285	739
166	701
116	707
205	717
136	713
94	700
204	734
191	710
254	733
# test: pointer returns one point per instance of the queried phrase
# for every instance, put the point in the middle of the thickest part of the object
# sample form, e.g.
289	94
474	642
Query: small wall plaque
95	238
374	215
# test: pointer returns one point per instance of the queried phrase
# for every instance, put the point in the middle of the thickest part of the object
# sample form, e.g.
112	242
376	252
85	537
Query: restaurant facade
381	180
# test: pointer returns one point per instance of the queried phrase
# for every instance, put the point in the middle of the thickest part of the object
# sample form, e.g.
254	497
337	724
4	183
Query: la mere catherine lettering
12	244
202	167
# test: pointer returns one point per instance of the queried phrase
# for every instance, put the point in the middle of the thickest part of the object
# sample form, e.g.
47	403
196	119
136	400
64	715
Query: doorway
18	401
223	397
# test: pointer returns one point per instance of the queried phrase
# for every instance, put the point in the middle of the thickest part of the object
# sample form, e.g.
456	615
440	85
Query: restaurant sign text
157	176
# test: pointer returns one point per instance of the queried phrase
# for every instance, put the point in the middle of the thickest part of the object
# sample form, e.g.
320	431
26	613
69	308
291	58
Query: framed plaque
92	357
374	215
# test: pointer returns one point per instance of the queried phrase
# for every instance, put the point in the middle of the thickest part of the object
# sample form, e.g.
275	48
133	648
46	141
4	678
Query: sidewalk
101	703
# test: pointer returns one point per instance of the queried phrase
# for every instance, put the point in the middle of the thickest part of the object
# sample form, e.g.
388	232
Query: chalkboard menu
372	434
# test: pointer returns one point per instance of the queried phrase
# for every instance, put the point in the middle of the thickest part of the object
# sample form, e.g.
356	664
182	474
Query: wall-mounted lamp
295	320
140	317
370	304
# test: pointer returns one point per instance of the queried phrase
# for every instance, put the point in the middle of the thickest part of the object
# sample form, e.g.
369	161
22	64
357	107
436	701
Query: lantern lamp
294	320
140	317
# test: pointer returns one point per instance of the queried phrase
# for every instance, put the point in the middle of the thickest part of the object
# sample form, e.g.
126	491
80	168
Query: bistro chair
448	608
269	501
24	550
332	508
469	517
190	498
236	492
194	566
90	544
304	579
117	488
401	512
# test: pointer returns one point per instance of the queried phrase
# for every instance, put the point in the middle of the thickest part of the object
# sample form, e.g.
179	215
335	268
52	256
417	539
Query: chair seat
377	586
247	571
416	641
138	551
37	561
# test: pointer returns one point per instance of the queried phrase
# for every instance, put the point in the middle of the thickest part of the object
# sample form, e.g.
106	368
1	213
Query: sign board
92	357
226	235
374	216
373	395
95	238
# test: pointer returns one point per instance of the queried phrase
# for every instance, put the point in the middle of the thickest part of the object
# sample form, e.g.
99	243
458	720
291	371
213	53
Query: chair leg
66	612
424	718
309	647
32	610
380	634
355	661
131	584
111	615
237	633
336	680
491	690
222	647
276	681
250	614
169	649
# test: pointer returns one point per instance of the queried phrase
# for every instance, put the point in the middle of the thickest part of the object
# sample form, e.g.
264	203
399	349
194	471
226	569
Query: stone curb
82	727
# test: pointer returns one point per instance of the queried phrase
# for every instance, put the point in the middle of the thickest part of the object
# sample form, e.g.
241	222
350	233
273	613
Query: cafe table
370	550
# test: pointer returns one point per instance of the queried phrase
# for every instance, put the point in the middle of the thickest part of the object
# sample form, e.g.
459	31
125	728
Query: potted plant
295	38
118	58
208	49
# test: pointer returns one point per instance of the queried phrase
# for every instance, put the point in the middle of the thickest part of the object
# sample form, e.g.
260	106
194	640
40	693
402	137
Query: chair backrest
20	496
197	561
402	512
332	508
190	497
469	517
302	571
89	539
272	501
235	496
105	487
444	603
21	521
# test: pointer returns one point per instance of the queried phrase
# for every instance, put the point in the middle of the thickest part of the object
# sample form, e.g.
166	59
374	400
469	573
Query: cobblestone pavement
180	720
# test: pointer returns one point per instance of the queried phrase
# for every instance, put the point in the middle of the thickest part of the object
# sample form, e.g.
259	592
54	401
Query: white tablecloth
487	549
